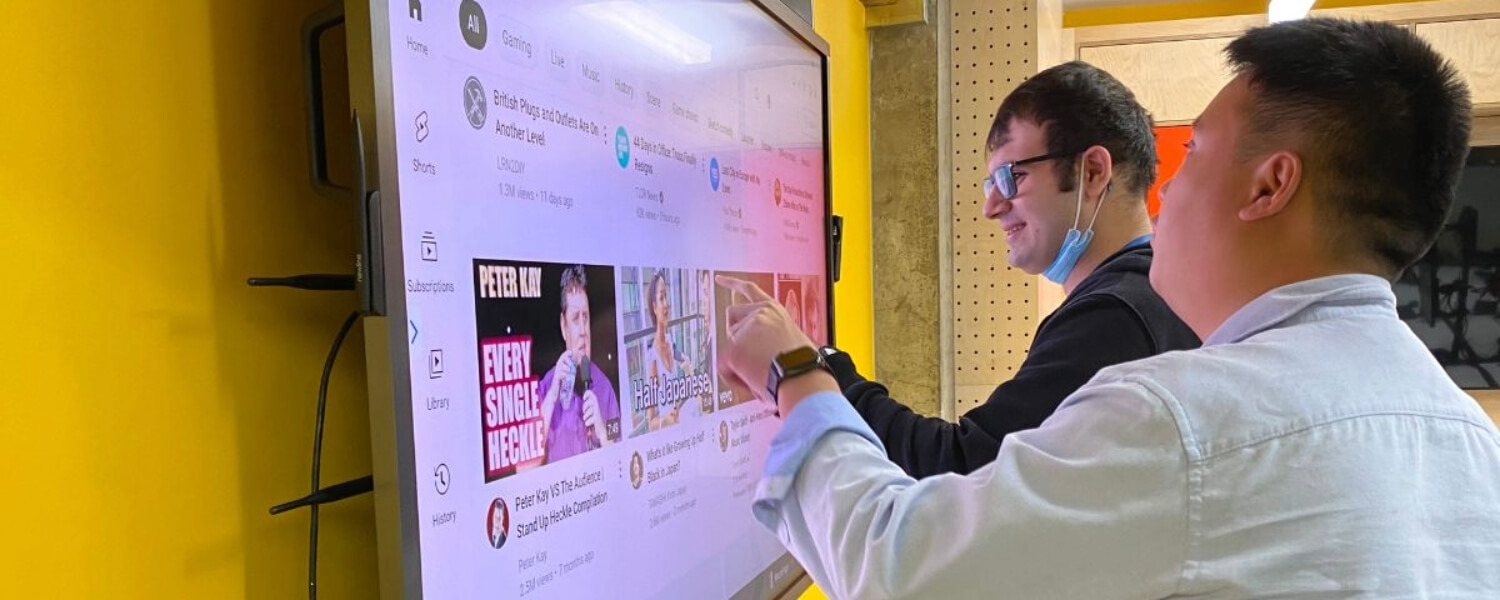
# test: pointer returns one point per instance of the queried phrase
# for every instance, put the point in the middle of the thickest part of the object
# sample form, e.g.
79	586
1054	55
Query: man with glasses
1071	156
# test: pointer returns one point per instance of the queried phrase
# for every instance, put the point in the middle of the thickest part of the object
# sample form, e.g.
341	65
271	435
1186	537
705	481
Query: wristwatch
792	363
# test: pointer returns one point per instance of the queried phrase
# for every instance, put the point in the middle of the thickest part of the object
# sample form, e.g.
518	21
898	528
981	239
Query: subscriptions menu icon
429	247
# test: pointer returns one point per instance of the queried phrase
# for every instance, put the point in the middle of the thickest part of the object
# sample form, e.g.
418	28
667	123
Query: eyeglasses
1004	177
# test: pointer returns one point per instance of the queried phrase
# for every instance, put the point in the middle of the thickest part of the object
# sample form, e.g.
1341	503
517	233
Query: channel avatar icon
474	107
622	147
713	173
637	470
497	526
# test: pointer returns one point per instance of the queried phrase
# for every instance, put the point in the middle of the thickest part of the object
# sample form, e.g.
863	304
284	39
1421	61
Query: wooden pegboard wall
992	49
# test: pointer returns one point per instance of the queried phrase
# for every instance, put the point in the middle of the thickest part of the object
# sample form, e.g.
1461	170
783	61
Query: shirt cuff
814	417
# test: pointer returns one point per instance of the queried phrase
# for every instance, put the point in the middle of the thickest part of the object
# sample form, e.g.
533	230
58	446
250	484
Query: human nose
994	205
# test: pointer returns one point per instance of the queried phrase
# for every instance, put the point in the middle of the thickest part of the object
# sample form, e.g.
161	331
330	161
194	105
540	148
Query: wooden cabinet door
1474	49
1174	80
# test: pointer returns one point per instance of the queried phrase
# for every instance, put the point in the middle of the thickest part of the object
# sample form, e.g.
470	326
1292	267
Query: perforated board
993	48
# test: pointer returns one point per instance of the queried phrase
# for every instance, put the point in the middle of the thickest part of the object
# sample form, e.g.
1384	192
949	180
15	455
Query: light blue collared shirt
1312	447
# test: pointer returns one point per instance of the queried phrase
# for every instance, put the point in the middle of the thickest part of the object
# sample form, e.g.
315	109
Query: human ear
1098	171
1272	185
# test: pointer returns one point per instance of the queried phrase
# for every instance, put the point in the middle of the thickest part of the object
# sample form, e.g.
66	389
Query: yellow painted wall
152	407
1167	11
842	24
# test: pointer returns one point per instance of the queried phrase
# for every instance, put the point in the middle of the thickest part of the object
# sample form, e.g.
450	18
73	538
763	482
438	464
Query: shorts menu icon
422	128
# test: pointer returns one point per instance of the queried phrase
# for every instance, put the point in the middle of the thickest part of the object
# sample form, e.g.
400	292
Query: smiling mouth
1011	231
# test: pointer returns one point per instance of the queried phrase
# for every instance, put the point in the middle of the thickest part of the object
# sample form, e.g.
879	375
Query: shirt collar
1359	291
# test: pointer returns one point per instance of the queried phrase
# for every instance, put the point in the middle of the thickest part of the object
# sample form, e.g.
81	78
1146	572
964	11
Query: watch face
797	358
791	363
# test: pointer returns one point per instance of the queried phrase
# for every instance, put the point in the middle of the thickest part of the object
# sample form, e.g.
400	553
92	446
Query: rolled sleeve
815	417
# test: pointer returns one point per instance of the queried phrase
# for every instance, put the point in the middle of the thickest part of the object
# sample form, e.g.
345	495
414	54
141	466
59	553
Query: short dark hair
1078	105
574	279
1384	121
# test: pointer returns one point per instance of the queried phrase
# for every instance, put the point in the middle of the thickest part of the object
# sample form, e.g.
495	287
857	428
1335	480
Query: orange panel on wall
1171	148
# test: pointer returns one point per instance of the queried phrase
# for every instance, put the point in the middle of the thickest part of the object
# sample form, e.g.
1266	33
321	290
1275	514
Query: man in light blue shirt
1311	448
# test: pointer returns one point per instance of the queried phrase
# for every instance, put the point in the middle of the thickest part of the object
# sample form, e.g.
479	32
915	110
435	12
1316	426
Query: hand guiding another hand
758	330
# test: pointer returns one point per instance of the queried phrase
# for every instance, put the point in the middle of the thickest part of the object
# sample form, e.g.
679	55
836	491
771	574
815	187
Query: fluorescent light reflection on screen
1288	10
651	30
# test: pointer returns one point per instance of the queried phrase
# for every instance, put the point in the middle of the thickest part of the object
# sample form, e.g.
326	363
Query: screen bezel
388	355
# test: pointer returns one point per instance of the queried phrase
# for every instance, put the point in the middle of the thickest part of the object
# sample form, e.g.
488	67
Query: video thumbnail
724	298
668	317
804	299
548	373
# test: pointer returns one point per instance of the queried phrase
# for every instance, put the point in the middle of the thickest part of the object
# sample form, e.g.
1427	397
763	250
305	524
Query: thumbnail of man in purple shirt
578	399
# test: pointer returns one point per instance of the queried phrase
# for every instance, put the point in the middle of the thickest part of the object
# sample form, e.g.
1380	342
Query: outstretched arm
1074	345
1103	484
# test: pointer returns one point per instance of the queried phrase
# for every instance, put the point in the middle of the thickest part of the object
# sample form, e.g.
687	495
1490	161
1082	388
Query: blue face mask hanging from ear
1076	242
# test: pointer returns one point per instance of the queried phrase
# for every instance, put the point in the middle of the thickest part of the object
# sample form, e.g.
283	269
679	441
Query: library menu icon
474	107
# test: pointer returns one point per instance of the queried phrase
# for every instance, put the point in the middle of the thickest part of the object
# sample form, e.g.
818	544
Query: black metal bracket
836	244
312	62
